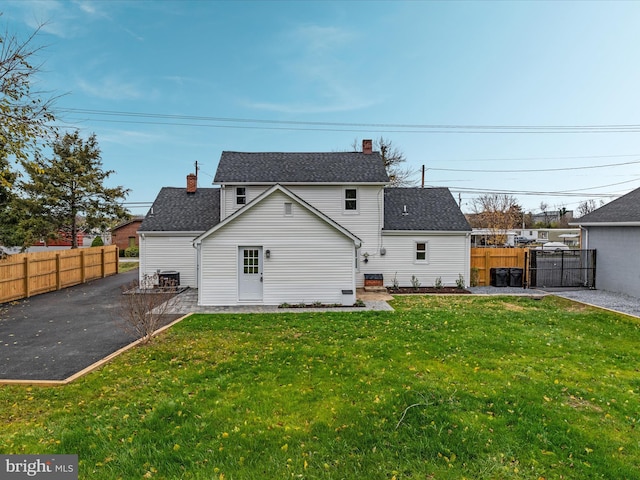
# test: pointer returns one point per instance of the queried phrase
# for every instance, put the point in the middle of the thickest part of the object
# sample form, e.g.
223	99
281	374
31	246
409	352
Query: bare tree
393	158
496	213
25	114
588	206
140	311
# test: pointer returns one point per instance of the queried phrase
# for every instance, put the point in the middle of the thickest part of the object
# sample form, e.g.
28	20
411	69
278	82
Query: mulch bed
429	290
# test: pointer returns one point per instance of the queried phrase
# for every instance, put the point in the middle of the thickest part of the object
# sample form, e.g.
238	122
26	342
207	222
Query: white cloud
112	88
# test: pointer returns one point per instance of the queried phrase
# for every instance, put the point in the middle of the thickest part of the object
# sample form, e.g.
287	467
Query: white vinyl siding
310	260
169	252
448	257
329	199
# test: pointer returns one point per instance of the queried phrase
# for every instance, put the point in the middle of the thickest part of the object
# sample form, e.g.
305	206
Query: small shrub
415	283
140	312
395	283
460	282
359	303
475	277
284	305
132	252
316	304
97	242
438	283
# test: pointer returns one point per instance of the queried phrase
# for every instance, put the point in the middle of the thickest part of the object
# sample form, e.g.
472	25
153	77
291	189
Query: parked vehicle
553	246
523	240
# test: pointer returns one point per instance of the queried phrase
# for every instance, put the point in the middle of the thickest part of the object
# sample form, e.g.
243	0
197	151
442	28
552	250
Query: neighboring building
553	216
481	237
125	235
613	230
302	228
63	239
568	236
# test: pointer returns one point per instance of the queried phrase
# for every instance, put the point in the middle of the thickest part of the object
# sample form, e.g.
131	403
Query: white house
302	228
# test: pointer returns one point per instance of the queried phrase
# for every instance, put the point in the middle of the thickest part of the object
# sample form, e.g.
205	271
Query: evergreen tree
69	189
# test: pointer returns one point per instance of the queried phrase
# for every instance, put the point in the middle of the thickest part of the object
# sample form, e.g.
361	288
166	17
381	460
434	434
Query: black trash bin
499	277
515	277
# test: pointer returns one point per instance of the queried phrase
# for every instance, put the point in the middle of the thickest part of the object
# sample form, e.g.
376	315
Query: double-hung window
421	252
350	200
241	196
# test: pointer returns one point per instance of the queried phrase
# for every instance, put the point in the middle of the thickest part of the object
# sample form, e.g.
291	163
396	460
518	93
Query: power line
536	169
233	122
567	193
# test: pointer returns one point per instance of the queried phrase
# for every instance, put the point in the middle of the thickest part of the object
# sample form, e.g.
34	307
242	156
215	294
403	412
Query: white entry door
250	273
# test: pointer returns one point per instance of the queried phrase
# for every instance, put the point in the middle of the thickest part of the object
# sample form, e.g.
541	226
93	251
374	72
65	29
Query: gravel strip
613	301
600	298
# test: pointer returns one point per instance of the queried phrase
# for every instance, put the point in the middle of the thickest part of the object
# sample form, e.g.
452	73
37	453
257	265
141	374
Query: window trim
345	200
288	209
424	251
241	195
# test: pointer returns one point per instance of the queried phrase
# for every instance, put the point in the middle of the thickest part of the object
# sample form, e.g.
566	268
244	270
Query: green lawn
127	266
443	388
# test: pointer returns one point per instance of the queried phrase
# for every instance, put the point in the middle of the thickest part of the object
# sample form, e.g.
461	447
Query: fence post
27	280
83	271
103	267
58	276
487	266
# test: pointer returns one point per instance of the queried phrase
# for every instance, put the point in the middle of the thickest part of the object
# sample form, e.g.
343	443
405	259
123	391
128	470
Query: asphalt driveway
55	335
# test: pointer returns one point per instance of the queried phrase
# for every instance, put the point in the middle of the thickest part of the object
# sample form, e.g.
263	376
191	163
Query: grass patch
444	387
125	267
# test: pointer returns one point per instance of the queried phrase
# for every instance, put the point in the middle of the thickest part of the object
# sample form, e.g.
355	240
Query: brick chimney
192	183
367	147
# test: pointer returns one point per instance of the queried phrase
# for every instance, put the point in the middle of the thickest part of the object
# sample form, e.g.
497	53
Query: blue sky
524	98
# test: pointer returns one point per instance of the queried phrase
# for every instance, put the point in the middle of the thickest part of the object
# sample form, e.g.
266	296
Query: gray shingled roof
429	209
622	210
175	210
284	168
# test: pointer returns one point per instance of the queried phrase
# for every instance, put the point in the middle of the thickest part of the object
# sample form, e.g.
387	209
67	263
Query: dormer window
351	200
241	196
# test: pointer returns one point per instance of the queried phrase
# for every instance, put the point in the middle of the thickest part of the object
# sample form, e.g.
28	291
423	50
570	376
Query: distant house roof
175	210
287	168
427	209
127	222
623	210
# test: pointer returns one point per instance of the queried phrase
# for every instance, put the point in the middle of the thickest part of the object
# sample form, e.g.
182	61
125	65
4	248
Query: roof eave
425	232
607	224
301	183
174	233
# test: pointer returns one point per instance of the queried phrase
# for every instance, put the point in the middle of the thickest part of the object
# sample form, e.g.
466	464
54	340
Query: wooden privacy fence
484	259
26	274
